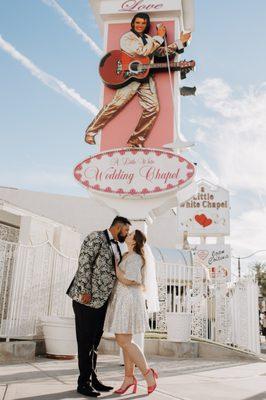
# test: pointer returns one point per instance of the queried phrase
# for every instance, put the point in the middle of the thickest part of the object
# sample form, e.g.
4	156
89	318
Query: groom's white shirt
114	247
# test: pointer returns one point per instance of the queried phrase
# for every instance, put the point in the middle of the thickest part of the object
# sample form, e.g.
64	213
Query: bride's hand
117	270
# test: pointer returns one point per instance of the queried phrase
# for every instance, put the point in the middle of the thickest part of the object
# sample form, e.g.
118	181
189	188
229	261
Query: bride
127	314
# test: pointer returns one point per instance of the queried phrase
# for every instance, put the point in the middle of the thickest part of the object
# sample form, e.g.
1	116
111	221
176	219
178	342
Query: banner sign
135	6
217	257
206	213
135	172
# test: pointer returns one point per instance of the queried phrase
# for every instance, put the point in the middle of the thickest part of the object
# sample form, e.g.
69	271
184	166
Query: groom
90	291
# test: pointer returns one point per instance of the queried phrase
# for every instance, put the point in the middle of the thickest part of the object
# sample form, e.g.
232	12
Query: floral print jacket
96	270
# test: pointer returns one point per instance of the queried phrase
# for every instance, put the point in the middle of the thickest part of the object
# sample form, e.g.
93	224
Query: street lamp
242	258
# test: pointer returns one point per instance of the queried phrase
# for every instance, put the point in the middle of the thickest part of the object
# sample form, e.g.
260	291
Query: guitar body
118	69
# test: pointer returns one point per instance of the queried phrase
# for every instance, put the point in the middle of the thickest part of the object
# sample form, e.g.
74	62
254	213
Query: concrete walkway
197	379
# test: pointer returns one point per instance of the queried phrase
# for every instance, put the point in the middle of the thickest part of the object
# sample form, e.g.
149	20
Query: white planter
60	336
178	327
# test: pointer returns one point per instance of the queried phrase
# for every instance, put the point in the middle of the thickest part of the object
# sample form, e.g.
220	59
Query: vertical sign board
116	16
213	256
206	213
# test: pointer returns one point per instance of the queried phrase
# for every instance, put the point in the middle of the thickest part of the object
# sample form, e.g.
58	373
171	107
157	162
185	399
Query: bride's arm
121	277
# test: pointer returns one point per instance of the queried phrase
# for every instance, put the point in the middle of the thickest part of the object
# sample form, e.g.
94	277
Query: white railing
221	312
34	280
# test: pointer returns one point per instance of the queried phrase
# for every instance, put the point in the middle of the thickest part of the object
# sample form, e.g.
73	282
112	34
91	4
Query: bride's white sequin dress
126	311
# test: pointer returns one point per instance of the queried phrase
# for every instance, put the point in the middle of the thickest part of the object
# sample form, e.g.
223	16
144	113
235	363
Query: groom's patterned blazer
96	270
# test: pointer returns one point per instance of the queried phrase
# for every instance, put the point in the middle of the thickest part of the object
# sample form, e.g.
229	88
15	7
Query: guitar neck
173	65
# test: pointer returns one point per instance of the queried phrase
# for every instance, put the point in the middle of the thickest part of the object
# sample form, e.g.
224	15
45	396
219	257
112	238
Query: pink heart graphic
144	191
202	254
77	175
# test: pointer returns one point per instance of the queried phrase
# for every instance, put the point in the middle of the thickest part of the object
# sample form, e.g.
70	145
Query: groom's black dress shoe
87	390
98	385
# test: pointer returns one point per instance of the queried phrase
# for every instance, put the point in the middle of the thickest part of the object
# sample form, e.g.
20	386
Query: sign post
140	183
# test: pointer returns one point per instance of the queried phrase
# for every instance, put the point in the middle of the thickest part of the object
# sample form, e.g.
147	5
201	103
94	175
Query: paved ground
179	379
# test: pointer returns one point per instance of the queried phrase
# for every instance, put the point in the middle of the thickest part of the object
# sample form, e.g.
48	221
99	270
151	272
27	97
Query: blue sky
42	131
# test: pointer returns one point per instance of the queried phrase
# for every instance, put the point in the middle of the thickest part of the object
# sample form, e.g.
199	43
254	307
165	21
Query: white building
39	215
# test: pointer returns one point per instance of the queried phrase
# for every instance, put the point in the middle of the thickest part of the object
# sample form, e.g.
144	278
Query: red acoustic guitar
118	68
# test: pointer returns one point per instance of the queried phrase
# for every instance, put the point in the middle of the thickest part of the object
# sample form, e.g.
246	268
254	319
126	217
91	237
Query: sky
50	89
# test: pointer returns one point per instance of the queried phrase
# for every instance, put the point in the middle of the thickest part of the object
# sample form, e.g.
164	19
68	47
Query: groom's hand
86	298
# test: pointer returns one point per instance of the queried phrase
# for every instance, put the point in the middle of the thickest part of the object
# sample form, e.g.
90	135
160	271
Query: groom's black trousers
89	330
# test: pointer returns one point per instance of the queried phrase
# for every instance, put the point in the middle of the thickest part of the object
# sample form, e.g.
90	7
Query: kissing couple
113	293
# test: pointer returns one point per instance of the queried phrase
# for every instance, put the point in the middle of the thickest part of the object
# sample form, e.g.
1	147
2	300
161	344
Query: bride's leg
129	371
129	364
135	354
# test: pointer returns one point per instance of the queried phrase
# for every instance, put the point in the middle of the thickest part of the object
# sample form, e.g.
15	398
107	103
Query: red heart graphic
208	222
203	220
77	175
144	191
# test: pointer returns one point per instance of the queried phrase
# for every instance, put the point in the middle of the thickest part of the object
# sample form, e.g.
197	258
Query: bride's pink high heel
134	384
155	376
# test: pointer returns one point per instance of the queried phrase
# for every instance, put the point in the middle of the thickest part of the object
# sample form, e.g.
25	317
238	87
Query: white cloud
232	134
70	22
248	231
204	171
47	79
248	235
235	135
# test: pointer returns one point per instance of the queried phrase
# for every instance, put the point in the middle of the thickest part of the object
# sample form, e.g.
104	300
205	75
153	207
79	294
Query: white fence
221	312
33	282
34	279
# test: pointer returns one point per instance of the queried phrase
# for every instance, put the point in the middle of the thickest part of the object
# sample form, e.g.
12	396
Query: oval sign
135	172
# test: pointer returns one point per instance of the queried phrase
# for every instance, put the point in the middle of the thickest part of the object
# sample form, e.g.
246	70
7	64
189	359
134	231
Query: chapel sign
206	213
135	172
